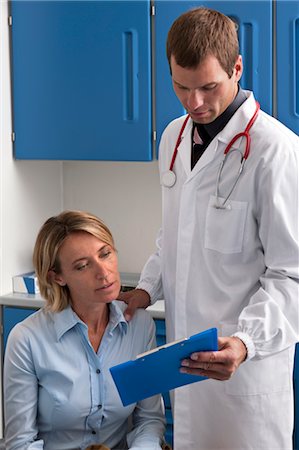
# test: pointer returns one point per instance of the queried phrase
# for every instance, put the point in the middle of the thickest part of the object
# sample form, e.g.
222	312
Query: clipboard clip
157	349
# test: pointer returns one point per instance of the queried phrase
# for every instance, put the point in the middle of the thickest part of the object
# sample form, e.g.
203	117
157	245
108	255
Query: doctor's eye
210	87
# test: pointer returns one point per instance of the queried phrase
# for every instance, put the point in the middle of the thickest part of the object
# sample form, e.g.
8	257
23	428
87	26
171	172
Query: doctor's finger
213	372
224	371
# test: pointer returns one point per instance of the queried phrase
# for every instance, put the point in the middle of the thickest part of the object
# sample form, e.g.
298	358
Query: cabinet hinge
13	136
153	10
9	21
154	135
1	330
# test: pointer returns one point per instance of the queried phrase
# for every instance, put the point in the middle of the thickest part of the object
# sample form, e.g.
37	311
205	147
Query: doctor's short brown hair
201	32
46	251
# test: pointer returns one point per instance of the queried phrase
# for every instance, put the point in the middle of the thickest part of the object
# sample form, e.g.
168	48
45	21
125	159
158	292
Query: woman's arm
20	393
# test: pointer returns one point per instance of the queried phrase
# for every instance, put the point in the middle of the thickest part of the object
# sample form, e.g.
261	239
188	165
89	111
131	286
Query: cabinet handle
130	75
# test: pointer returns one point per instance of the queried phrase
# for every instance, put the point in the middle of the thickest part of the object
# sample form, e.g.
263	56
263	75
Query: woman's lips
105	286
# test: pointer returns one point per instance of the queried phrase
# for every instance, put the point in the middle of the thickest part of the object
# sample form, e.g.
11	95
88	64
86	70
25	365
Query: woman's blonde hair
46	251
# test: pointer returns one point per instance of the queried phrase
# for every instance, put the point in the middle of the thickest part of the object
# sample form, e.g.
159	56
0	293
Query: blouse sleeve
20	393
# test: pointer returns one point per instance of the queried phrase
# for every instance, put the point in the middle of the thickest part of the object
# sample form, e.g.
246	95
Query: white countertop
36	301
128	280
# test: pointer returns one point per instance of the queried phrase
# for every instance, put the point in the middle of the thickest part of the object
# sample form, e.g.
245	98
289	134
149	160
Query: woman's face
89	268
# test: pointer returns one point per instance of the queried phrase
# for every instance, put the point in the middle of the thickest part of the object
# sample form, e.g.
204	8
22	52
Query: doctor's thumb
129	312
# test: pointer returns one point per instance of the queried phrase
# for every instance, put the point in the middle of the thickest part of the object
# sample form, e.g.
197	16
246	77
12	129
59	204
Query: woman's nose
101	271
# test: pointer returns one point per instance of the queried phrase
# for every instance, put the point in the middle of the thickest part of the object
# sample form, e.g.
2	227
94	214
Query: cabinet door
255	36
288	63
12	316
81	80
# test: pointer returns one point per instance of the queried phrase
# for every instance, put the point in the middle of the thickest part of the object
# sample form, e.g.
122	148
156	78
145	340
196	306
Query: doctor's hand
137	298
219	365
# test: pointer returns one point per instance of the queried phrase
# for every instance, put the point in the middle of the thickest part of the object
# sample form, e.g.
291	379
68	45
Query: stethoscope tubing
178	143
170	177
244	157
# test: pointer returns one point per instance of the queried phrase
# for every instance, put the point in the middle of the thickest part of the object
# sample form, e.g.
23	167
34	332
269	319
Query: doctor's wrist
248	343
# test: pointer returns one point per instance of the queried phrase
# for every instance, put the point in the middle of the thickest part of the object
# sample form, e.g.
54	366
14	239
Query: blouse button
98	371
93	432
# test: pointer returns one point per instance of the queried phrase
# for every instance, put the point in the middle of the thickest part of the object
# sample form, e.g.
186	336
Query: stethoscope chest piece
168	178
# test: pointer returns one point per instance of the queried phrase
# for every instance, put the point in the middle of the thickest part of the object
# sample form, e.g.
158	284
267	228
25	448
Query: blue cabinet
12	316
287	23
82	72
81	78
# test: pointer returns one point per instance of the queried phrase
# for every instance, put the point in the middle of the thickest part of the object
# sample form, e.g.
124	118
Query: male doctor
227	252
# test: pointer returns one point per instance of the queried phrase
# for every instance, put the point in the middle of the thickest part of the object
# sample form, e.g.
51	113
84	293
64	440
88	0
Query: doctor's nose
195	100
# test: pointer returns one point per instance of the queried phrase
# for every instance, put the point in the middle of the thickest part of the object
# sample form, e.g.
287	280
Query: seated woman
58	391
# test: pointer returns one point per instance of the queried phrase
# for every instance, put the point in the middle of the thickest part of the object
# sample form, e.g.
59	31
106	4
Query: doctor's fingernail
194	357
185	362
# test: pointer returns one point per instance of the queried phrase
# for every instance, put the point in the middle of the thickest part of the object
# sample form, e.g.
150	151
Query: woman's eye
82	266
106	254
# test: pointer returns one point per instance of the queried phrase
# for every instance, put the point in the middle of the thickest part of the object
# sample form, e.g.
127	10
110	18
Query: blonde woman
58	391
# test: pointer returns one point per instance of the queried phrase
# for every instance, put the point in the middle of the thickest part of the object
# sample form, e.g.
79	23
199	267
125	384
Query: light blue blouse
59	394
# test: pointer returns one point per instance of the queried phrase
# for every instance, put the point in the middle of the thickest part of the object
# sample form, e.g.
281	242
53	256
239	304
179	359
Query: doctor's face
206	91
89	268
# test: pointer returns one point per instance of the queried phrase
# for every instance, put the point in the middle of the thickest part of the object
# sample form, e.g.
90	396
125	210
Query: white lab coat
235	269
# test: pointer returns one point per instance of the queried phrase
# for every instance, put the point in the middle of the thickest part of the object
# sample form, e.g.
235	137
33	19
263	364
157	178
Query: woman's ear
56	278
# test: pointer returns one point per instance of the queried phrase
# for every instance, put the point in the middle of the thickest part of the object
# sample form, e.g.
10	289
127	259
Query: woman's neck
96	320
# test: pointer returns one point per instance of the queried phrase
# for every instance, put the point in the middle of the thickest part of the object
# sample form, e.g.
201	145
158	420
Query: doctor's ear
238	67
56	278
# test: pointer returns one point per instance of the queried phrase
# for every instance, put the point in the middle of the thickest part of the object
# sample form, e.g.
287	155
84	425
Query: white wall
30	191
127	198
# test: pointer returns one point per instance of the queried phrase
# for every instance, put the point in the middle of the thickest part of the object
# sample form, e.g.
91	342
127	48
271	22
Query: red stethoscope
169	177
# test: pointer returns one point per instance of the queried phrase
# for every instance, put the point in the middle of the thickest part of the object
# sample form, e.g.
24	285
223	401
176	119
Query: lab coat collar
67	319
239	121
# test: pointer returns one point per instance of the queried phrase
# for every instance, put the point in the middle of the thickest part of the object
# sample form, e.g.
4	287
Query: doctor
227	252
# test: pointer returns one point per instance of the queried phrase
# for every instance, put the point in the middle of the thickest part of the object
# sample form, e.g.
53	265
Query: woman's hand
219	365
136	298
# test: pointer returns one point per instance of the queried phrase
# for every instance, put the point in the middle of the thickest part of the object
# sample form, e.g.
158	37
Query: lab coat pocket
269	375
224	230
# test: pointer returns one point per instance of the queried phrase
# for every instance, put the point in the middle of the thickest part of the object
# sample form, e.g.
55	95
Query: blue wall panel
255	36
81	73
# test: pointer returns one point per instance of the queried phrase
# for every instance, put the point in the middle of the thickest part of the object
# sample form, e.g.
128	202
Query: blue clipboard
158	370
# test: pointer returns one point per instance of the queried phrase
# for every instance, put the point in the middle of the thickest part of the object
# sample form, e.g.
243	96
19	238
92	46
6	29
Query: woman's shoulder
34	323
